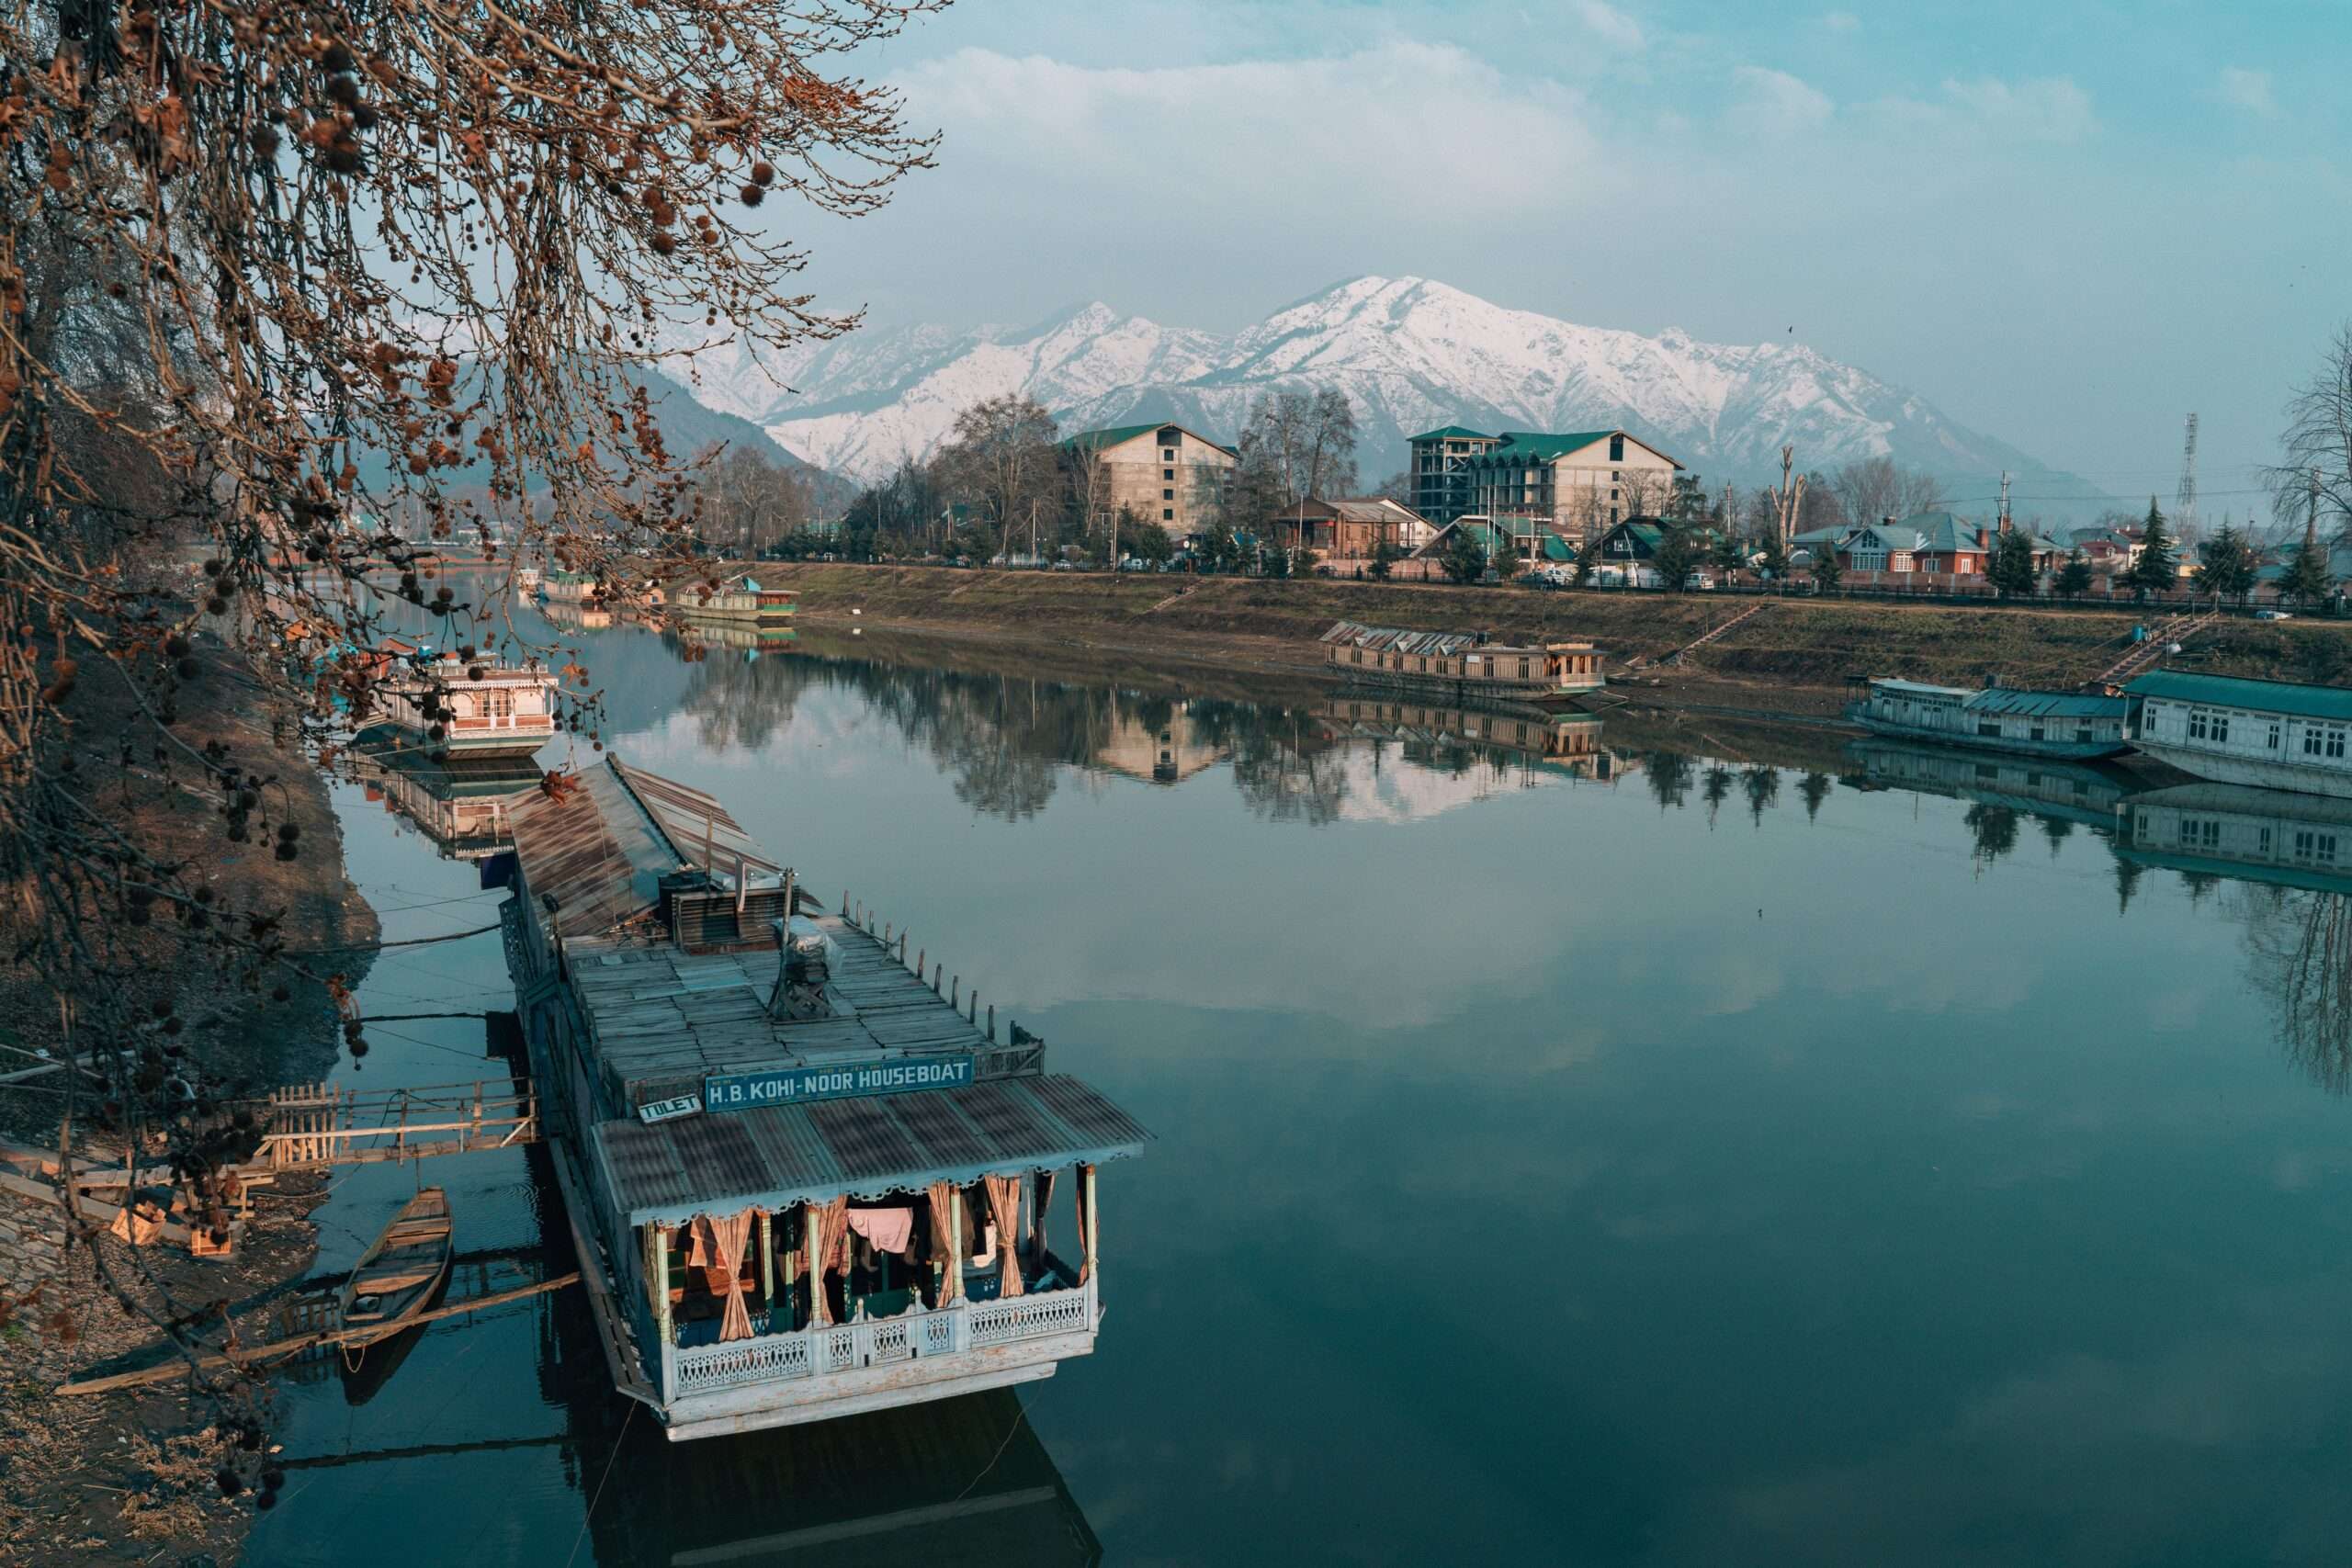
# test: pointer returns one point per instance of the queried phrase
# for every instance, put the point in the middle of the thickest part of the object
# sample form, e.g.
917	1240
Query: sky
2067	225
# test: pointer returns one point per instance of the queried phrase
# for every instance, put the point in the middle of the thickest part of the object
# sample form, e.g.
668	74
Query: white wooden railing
915	1335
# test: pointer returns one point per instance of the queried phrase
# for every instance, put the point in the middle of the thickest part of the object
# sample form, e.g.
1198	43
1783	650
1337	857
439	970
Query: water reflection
459	806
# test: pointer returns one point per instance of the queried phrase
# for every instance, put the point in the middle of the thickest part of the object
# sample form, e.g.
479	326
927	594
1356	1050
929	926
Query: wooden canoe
401	1269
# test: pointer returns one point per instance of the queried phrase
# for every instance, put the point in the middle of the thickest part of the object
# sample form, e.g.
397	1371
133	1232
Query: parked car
1058	565
2272	615
1698	582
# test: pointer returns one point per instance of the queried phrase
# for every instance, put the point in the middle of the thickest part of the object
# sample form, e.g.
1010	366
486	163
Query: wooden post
767	1263
661	1284
991	1023
902	949
921	954
952	1289
816	1271
955	998
1092	1238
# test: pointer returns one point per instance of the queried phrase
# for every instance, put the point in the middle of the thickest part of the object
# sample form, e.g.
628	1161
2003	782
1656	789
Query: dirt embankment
130	1477
1795	656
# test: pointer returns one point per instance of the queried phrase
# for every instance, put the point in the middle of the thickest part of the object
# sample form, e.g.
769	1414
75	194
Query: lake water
1705	1146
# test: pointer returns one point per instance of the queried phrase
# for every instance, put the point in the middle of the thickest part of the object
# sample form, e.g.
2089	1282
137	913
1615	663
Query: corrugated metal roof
594	850
2289	697
697	826
1920	688
781	1155
2055	705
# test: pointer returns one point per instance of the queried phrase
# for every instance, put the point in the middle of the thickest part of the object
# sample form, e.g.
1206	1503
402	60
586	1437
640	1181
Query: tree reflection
2299	951
1996	831
1669	773
1763	787
1813	789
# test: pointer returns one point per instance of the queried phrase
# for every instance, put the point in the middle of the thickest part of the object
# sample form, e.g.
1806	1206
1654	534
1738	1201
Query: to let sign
665	1110
794	1085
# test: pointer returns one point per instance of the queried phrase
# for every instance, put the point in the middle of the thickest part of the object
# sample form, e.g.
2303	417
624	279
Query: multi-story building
1579	484
1162	473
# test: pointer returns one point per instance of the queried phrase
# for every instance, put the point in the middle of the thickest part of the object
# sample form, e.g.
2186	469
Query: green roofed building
1578	484
1163	473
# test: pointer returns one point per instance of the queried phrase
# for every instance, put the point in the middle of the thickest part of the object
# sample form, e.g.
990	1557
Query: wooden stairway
1639	660
2143	656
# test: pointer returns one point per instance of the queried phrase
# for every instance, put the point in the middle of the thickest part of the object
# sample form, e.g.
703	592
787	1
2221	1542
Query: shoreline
121	1477
1796	657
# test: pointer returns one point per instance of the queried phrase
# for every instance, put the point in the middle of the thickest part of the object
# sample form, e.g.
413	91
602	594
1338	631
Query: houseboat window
2220	726
2036	734
2197	724
2335	743
2201	832
2315	849
2083	735
2274	735
1988	726
2262	841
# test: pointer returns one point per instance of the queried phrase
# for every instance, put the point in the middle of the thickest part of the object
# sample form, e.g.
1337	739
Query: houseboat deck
815	1181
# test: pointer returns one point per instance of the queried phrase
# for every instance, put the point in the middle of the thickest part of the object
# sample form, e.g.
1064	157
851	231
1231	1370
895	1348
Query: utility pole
2005	500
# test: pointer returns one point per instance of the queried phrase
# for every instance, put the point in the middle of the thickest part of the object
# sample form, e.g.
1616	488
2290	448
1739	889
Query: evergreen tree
1726	553
1508	559
2226	570
1770	559
1827	569
2010	564
2308	581
1384	556
1584	565
1677	552
2075	577
1465	559
2158	567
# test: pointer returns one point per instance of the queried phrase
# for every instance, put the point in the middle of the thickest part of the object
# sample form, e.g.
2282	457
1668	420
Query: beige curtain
825	1228
1085	1199
1045	1188
725	1241
945	1244
1004	1207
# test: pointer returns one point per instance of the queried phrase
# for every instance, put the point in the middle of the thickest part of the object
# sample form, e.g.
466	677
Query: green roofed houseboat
805	1179
1994	718
2269	734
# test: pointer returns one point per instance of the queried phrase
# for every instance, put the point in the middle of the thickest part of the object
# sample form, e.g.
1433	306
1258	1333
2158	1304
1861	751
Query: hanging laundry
889	1230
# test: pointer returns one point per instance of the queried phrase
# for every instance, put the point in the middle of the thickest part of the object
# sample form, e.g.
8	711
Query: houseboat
1994	718
1462	666
2234	729
805	1179
2237	830
737	600
441	704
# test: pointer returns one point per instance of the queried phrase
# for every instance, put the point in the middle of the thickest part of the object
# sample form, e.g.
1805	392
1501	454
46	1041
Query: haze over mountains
1409	353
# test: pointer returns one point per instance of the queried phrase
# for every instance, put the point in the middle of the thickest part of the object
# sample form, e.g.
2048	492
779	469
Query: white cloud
1325	136
1773	102
2246	89
1611	26
2039	108
1841	22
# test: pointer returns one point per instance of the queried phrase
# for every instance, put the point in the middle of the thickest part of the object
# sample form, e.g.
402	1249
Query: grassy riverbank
1797	654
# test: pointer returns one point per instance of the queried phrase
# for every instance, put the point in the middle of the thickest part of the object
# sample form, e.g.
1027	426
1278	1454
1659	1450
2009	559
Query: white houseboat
736	600
1462	666
1994	718
805	1179
439	703
2234	729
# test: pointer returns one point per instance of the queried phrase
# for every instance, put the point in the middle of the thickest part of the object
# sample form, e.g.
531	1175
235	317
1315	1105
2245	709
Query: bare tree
1000	457
1874	489
2314	476
745	502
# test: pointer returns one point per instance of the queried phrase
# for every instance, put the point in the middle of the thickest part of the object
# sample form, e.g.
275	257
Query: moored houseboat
736	600
805	1180
438	702
2084	792
2237	729
1994	718
1464	666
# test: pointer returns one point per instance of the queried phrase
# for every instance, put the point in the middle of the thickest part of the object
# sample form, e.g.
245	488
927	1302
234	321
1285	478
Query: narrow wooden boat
401	1269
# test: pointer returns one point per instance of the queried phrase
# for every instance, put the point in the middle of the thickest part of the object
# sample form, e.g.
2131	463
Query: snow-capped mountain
1408	352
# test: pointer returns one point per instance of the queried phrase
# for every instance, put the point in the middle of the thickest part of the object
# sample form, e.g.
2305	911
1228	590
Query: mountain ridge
1409	353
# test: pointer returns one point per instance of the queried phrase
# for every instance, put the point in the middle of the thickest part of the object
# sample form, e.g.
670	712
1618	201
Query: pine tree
2158	567
1677	552
1466	558
1508	559
1827	570
2075	577
2307	579
2011	566
2226	569
1726	554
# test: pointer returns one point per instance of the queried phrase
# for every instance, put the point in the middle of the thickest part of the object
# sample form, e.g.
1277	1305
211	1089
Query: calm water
1723	1149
